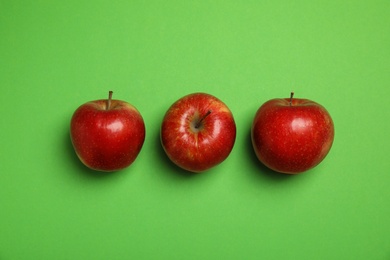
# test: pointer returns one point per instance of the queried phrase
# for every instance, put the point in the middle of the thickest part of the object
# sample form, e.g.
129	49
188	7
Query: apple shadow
79	166
264	171
168	164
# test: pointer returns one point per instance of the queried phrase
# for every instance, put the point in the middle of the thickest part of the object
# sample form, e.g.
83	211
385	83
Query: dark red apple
292	135
107	135
198	132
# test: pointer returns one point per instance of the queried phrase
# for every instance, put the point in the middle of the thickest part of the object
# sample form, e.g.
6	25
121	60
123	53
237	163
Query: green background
57	55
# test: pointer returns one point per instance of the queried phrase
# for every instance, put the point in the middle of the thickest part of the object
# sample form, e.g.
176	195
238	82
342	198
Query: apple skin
107	139
292	138
198	148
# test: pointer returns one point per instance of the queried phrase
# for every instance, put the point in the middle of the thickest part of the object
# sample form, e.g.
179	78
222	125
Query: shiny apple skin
292	138
193	149
107	140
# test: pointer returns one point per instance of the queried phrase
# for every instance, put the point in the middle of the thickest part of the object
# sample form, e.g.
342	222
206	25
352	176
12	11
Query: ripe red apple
107	135
198	132
292	135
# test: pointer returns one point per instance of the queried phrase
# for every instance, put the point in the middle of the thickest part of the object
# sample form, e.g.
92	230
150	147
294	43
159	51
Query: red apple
292	135
107	135
198	132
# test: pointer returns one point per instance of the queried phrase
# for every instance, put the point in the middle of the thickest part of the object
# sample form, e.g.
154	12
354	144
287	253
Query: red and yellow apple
291	135
198	132
107	135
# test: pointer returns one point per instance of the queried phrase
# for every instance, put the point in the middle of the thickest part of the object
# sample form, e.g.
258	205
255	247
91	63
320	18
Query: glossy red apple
107	135
292	135
198	132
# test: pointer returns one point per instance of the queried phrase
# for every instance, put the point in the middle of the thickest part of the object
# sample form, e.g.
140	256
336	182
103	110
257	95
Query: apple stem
109	99
291	97
197	125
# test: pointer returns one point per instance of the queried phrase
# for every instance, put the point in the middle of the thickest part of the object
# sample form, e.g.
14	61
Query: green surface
56	55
